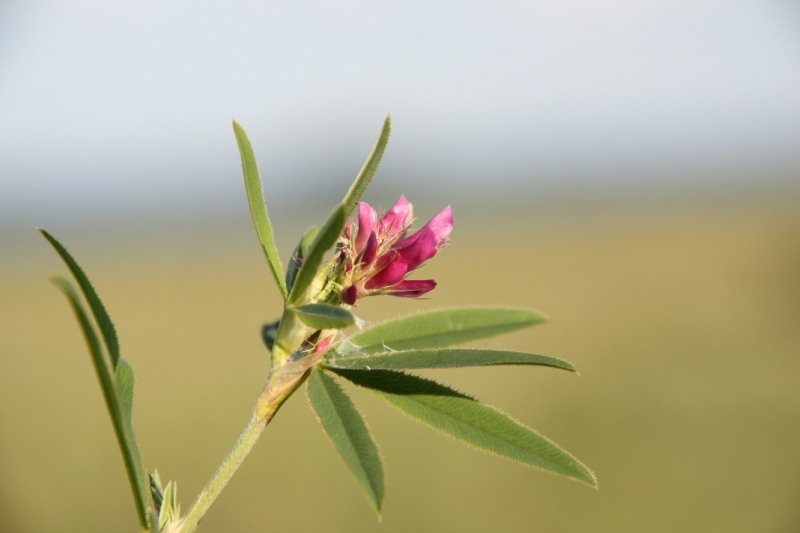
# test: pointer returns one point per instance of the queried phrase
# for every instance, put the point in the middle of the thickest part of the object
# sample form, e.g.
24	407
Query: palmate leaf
117	391
467	420
445	358
258	208
347	430
434	329
325	316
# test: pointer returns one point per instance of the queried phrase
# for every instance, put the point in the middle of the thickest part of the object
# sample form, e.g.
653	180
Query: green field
682	319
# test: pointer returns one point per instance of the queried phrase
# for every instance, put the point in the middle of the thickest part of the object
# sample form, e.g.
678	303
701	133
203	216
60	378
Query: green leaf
368	170
346	428
258	209
170	510
156	490
435	329
445	358
118	395
325	316
124	381
333	227
323	242
467	420
300	251
95	304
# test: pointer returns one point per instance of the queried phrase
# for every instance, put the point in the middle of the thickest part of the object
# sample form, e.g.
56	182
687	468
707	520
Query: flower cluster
378	256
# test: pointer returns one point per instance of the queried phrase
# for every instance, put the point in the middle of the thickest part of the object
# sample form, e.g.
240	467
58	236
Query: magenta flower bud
370	250
413	288
381	253
350	295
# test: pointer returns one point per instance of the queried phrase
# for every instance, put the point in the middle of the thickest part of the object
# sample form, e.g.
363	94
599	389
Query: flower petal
397	219
441	225
417	248
370	250
413	288
367	222
392	274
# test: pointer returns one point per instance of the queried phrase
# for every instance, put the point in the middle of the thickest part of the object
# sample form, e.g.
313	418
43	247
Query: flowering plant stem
276	391
332	268
244	444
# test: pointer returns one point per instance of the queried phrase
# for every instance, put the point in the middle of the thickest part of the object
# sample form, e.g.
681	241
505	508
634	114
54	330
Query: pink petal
417	248
413	288
367	222
384	260
324	344
370	250
441	225
398	218
393	273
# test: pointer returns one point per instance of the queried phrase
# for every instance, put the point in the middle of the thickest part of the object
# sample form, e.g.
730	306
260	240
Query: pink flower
377	259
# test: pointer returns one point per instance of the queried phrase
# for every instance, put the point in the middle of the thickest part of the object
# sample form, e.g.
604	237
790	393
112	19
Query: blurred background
630	168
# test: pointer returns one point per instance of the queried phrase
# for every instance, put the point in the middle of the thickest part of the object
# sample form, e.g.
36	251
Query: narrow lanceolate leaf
118	394
332	229
368	170
467	420
324	241
258	209
95	304
435	329
300	251
325	316
346	428
445	358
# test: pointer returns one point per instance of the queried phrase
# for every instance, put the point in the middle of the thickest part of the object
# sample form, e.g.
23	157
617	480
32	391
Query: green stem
281	383
224	472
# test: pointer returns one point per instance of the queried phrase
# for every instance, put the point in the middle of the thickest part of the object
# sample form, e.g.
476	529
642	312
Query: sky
123	106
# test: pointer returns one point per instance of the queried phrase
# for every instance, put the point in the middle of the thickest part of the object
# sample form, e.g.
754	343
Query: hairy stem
281	383
244	444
